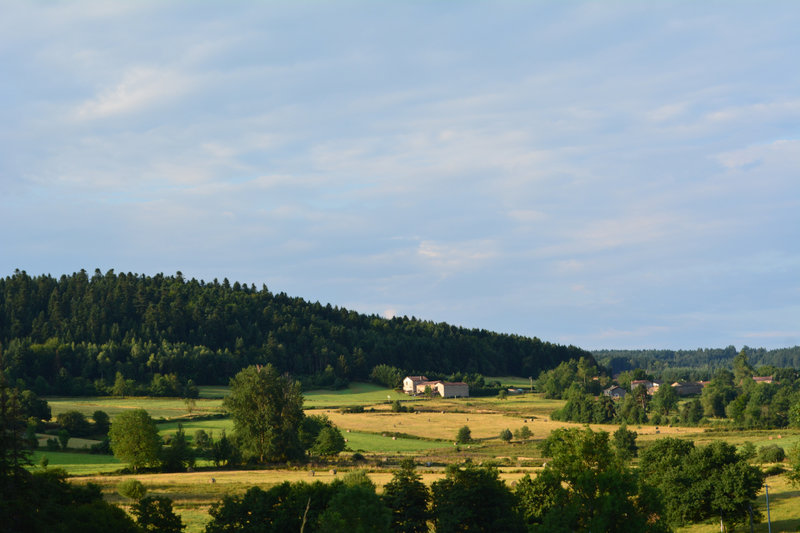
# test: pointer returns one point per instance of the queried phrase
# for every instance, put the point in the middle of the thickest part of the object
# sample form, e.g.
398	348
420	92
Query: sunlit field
166	408
77	464
356	394
383	438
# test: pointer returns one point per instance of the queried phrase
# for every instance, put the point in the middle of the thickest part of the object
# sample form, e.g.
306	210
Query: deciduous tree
407	498
267	410
154	514
472	498
134	439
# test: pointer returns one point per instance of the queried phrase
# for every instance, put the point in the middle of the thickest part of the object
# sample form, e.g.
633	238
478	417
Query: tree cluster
697	483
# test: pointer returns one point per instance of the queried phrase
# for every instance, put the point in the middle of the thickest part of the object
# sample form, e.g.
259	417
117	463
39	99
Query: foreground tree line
587	484
74	335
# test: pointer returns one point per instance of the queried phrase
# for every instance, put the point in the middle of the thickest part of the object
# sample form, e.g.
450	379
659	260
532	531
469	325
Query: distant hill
77	331
694	364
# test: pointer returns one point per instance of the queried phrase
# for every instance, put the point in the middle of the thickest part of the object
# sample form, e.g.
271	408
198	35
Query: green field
511	381
213	391
78	464
166	408
217	425
433	426
355	394
358	441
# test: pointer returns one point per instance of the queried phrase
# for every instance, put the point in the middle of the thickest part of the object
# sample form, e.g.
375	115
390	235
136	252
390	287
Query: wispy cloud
139	88
607	175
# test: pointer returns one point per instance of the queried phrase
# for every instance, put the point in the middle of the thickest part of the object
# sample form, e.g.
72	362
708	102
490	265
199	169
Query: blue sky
604	174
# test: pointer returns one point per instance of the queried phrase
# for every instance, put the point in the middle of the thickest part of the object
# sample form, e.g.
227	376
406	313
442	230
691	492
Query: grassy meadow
383	438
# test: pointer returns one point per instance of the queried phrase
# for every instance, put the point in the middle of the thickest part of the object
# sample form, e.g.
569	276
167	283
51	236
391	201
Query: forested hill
91	327
694	364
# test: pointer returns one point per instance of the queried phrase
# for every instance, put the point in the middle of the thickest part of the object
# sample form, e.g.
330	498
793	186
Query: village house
445	389
646	383
688	388
452	389
615	392
650	386
410	384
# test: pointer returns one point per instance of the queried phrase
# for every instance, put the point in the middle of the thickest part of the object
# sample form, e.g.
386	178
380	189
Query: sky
602	174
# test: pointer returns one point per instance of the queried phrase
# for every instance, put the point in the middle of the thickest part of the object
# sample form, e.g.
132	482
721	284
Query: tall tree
472	498
134	439
665	399
267	410
407	498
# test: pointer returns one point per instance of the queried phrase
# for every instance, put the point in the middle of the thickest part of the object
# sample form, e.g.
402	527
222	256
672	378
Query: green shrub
523	433
771	453
132	488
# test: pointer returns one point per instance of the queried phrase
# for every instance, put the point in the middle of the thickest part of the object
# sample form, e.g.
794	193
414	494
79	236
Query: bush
132	488
523	433
505	435
771	454
464	435
352	409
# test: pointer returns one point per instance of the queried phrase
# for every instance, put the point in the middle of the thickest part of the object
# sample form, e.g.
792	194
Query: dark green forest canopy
88	328
701	363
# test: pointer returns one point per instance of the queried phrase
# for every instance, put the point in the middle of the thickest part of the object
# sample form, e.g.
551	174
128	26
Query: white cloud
783	152
452	257
139	88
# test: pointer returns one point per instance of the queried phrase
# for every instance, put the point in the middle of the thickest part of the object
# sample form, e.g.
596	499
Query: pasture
427	434
166	408
77	464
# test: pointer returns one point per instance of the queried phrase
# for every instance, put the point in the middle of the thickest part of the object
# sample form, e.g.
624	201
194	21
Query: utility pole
769	523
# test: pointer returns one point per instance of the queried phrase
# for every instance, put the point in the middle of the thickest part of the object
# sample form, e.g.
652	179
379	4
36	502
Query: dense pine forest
81	334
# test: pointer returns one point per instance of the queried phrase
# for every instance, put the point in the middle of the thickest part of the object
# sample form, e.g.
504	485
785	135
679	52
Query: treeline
693	365
730	396
75	333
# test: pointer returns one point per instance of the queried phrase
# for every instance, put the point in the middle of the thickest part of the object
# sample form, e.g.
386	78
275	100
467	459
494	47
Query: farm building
688	388
410	383
650	386
445	389
452	389
614	392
